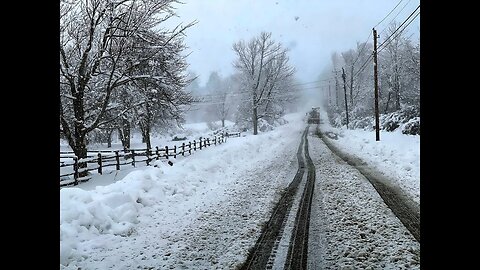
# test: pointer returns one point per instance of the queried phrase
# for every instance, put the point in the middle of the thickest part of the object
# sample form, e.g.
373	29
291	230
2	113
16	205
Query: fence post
194	145
157	151
99	163
117	159
183	149
175	151
166	151
189	147
215	140
148	156
200	143
133	157
208	141
75	170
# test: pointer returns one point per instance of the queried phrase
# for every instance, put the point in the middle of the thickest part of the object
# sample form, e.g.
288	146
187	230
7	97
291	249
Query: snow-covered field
204	212
396	155
191	131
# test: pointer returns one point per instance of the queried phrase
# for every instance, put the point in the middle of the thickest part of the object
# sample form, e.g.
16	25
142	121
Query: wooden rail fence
99	160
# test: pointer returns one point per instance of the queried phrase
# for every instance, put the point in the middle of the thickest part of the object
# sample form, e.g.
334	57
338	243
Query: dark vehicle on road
314	116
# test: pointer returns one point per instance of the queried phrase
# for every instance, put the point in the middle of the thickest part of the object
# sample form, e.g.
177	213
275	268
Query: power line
388	13
365	43
290	93
248	91
386	27
363	66
379	46
400	31
322	80
380	49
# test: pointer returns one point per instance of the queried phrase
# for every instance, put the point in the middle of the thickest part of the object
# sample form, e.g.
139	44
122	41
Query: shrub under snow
407	119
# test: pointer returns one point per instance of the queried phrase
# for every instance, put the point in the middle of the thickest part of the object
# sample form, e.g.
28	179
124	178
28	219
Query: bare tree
221	107
349	59
263	65
335	61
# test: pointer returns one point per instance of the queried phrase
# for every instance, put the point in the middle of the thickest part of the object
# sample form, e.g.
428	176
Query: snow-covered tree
99	55
160	96
224	95
399	70
349	60
398	76
265	75
336	66
214	83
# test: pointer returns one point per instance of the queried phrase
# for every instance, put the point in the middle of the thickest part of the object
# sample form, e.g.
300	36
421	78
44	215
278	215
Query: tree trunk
223	122
351	88
145	127
336	92
397	83
124	134
80	150
121	136
255	121
388	101
397	96
146	137
109	138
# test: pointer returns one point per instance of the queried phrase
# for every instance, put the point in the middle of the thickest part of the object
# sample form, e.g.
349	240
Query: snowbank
112	209
396	155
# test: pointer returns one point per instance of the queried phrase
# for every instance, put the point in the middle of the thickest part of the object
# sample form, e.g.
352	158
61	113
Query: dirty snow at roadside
350	225
396	155
168	217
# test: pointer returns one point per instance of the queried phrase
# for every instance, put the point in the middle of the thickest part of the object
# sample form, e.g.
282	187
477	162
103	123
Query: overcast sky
311	29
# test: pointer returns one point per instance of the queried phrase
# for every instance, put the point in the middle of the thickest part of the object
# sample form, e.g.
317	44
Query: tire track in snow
260	255
402	206
298	250
351	226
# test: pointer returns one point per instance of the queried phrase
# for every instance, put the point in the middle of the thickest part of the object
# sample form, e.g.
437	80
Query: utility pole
345	91
336	89
329	94
324	92
375	74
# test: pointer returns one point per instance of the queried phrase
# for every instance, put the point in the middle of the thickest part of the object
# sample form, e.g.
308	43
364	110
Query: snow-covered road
351	227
